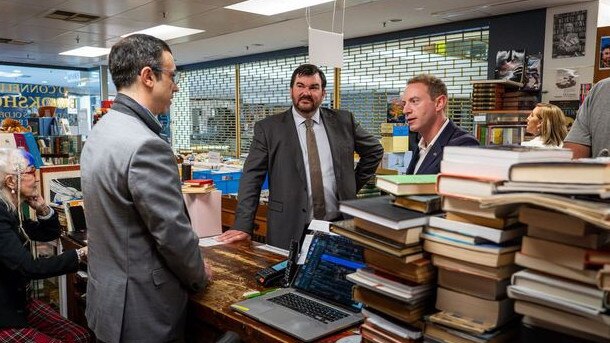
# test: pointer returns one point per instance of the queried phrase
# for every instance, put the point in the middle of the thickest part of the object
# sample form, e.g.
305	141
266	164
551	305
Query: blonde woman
22	318
548	125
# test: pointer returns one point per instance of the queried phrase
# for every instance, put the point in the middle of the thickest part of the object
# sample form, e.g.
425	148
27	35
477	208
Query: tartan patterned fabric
47	327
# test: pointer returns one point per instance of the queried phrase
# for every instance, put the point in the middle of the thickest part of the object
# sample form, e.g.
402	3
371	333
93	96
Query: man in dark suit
425	99
281	148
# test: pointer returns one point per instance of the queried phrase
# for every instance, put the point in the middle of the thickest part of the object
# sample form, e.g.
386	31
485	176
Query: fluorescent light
167	32
87	51
271	7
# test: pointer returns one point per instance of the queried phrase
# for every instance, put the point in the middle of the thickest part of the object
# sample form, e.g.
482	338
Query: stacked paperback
396	287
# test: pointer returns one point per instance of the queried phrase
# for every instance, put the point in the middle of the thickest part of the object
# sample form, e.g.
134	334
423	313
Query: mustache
306	98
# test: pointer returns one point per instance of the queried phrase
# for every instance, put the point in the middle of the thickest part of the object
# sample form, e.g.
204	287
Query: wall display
395	107
510	65
533	73
602	54
60	183
565	83
569	34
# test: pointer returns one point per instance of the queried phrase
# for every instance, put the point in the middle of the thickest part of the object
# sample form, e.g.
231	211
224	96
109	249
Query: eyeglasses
174	74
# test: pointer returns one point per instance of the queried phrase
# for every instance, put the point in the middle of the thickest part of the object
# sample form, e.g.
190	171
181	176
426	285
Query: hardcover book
421	203
407	184
583	171
478	231
380	210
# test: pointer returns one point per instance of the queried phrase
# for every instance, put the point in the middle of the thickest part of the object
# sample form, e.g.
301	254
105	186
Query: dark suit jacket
275	150
18	267
450	136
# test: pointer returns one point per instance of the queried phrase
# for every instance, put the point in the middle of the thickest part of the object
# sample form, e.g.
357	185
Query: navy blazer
452	135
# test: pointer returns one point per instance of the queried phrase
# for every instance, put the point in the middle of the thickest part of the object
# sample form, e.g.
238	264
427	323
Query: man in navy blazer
425	99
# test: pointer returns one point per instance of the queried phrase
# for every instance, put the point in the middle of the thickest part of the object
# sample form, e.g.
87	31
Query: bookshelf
497	127
60	149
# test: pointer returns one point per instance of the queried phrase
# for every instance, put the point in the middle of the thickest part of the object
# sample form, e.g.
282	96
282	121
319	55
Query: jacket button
303	210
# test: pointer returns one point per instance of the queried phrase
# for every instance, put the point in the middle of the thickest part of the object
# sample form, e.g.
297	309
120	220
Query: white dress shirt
326	163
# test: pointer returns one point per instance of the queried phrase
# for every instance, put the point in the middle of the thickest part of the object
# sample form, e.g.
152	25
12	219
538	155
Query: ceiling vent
72	16
14	41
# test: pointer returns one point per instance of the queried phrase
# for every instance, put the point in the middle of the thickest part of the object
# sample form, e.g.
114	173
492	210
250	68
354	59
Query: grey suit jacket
275	150
143	256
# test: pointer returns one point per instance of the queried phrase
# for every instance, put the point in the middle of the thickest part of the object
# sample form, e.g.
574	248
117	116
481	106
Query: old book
419	270
583	171
390	306
490	248
555	221
603	191
471	284
509	154
347	229
439	333
597	213
427	203
401	330
461	253
473	207
494	312
465	186
563	254
496	273
595	240
380	210
496	223
478	231
404	236
536	263
407	184
393	287
599	325
374	334
557	292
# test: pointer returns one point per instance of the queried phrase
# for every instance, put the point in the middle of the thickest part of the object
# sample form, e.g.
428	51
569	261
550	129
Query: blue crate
201	174
224	175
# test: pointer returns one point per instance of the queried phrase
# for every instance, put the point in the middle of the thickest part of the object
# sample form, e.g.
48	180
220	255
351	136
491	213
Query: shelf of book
60	149
500	127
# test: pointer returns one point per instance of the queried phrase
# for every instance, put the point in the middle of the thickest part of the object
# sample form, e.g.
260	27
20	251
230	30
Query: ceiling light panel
87	51
167	32
272	7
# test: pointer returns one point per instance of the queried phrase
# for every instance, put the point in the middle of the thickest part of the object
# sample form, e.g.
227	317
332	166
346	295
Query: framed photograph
604	52
602	55
569	34
60	183
510	65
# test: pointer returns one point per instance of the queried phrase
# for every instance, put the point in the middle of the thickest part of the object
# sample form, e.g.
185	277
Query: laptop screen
330	258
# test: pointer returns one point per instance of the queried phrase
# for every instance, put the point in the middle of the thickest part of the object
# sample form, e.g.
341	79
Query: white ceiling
228	33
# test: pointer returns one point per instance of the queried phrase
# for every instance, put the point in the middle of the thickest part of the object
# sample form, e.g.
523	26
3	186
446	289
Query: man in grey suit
143	256
303	149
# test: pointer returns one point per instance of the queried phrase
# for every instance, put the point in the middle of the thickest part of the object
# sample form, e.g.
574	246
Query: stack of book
519	100
487	95
397	285
566	247
394	137
473	247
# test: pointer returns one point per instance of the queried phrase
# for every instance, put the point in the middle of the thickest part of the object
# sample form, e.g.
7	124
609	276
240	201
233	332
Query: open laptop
320	299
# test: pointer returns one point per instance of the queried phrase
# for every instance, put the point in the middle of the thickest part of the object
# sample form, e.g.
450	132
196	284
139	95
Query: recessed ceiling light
396	20
271	7
87	51
167	32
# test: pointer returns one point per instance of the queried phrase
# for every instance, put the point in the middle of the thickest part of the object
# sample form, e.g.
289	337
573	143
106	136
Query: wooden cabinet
229	204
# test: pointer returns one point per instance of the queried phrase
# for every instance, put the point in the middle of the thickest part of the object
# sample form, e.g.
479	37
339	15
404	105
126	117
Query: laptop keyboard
310	308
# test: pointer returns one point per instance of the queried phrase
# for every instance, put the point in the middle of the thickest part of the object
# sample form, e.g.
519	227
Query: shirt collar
298	119
422	144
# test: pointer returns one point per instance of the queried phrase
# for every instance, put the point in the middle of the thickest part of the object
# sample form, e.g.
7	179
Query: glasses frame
173	74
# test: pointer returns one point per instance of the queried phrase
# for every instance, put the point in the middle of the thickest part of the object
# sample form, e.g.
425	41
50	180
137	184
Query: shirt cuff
49	215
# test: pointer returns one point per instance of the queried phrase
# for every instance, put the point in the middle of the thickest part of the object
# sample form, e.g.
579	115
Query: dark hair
436	87
308	70
131	54
605	46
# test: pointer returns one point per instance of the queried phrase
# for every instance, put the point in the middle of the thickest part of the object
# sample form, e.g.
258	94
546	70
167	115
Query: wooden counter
234	266
229	204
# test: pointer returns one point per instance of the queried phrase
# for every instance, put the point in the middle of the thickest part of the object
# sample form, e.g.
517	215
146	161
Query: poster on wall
533	73
565	84
569	34
510	65
395	107
604	52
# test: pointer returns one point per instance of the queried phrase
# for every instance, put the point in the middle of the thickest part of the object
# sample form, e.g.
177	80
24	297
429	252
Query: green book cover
409	179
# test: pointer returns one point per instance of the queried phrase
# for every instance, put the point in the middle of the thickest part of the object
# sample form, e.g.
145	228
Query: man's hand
230	236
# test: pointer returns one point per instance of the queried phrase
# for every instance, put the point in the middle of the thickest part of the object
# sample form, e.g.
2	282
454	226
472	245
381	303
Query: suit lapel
293	143
436	152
